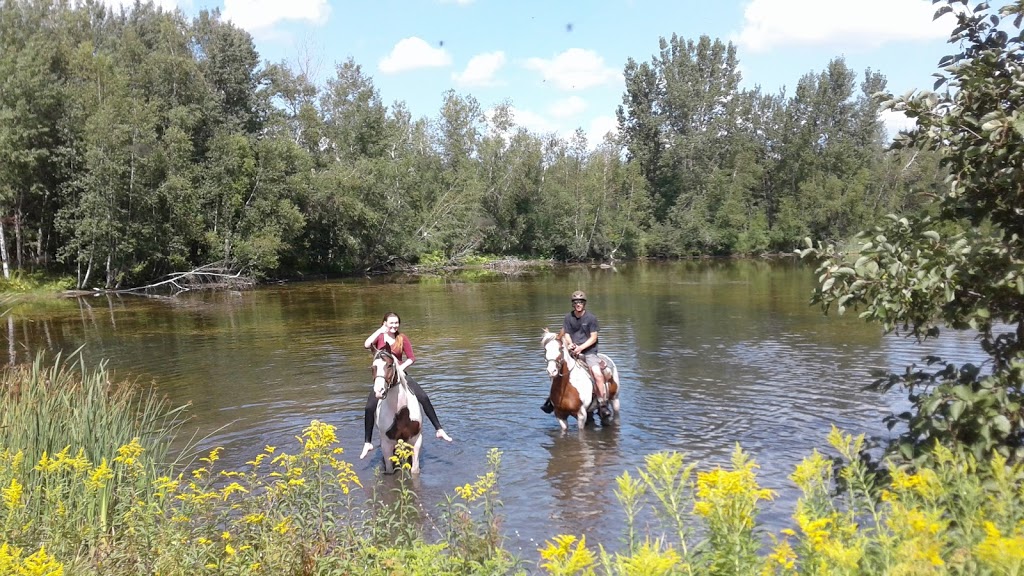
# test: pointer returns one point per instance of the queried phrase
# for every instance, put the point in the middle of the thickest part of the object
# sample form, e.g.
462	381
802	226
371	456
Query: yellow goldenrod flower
12	494
997	550
46	464
317	436
129	453
213	456
561	557
98	477
230	489
41	564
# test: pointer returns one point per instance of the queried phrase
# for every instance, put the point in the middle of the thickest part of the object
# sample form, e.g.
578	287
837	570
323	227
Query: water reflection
710	354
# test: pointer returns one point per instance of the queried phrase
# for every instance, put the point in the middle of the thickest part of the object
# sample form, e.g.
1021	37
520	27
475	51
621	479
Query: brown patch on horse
564	396
404	427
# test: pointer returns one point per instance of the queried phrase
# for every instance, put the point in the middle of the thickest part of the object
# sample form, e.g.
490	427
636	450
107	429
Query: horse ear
546	331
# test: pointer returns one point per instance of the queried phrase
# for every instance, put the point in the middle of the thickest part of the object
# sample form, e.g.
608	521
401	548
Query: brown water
710	354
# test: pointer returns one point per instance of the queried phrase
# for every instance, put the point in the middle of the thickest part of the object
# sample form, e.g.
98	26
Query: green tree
961	266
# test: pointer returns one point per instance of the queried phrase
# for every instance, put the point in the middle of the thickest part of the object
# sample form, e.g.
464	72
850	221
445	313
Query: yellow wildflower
813	474
318	436
129	454
41	564
46	464
12	494
997	550
782	557
230	489
561	557
213	456
98	477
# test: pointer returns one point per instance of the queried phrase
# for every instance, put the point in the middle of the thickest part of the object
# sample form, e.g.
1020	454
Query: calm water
710	355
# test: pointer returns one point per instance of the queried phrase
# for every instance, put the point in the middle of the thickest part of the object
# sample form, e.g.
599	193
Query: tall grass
47	407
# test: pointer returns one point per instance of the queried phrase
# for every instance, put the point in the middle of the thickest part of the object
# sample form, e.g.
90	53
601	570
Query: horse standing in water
572	385
399	416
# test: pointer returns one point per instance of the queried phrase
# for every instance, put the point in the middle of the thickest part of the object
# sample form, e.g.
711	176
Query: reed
47	407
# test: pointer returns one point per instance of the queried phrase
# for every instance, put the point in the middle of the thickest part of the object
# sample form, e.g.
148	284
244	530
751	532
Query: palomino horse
572	385
399	416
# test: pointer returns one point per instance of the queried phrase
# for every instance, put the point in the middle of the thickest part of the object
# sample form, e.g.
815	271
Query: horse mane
549	336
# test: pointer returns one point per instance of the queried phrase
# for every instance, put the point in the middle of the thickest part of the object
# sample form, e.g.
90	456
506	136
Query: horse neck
400	390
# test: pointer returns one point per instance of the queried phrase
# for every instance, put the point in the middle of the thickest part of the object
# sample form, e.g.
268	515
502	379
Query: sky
559	63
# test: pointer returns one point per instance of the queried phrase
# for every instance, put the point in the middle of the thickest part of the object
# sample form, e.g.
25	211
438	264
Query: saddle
580	362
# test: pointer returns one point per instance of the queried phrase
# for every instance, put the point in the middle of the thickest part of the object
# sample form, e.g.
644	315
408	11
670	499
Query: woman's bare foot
443	435
366	450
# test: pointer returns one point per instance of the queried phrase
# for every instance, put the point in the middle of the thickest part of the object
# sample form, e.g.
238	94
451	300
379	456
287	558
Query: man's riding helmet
579	295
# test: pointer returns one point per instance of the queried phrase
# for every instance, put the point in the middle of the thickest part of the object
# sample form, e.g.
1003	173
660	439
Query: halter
558	360
388	373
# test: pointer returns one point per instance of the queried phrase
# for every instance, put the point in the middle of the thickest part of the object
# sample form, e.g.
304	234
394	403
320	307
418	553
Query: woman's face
392	323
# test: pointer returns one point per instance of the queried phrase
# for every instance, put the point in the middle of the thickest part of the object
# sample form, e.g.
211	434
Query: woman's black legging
371	408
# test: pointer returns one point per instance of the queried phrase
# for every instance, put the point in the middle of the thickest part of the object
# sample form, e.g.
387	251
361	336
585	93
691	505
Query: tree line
137	142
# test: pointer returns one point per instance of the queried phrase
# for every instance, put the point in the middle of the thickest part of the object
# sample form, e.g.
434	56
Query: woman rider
401	347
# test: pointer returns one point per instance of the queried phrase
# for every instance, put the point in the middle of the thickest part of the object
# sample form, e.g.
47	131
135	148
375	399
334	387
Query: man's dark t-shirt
579	329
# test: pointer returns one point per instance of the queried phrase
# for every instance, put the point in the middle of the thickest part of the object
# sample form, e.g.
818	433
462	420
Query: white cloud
481	70
532	121
413	53
863	24
574	69
895	122
568	107
169	5
599	127
261	15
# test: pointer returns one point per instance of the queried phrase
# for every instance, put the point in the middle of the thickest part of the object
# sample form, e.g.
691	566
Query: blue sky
559	62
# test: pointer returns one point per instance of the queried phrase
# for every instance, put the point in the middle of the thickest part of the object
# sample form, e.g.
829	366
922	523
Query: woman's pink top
400	355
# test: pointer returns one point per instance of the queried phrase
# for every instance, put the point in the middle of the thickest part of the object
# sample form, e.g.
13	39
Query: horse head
385	371
552	352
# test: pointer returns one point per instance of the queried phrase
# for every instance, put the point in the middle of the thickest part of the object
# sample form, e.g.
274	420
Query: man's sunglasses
579	301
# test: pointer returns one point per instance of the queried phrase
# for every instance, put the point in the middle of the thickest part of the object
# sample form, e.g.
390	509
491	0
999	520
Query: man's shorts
591	359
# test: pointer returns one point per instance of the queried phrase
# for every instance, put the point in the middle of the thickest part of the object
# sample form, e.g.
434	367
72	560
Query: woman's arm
410	358
373	337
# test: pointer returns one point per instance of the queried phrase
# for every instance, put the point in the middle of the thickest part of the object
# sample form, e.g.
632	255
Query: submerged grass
86	489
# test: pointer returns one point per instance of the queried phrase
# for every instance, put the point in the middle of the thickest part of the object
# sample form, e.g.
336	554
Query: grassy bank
86	487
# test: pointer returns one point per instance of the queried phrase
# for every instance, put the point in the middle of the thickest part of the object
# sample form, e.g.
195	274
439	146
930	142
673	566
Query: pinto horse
399	416
572	385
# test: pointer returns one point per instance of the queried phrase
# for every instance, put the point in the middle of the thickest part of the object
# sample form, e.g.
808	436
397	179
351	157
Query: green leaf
956	409
1001	424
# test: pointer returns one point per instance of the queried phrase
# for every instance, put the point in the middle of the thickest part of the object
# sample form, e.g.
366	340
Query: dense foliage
959	266
137	143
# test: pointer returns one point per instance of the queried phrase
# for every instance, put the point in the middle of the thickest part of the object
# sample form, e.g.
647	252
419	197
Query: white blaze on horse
573	390
399	416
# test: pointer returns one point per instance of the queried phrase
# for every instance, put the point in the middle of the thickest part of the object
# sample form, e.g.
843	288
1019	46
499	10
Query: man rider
580	329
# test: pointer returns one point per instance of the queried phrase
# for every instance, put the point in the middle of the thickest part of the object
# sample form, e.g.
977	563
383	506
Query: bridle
554	364
386	371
